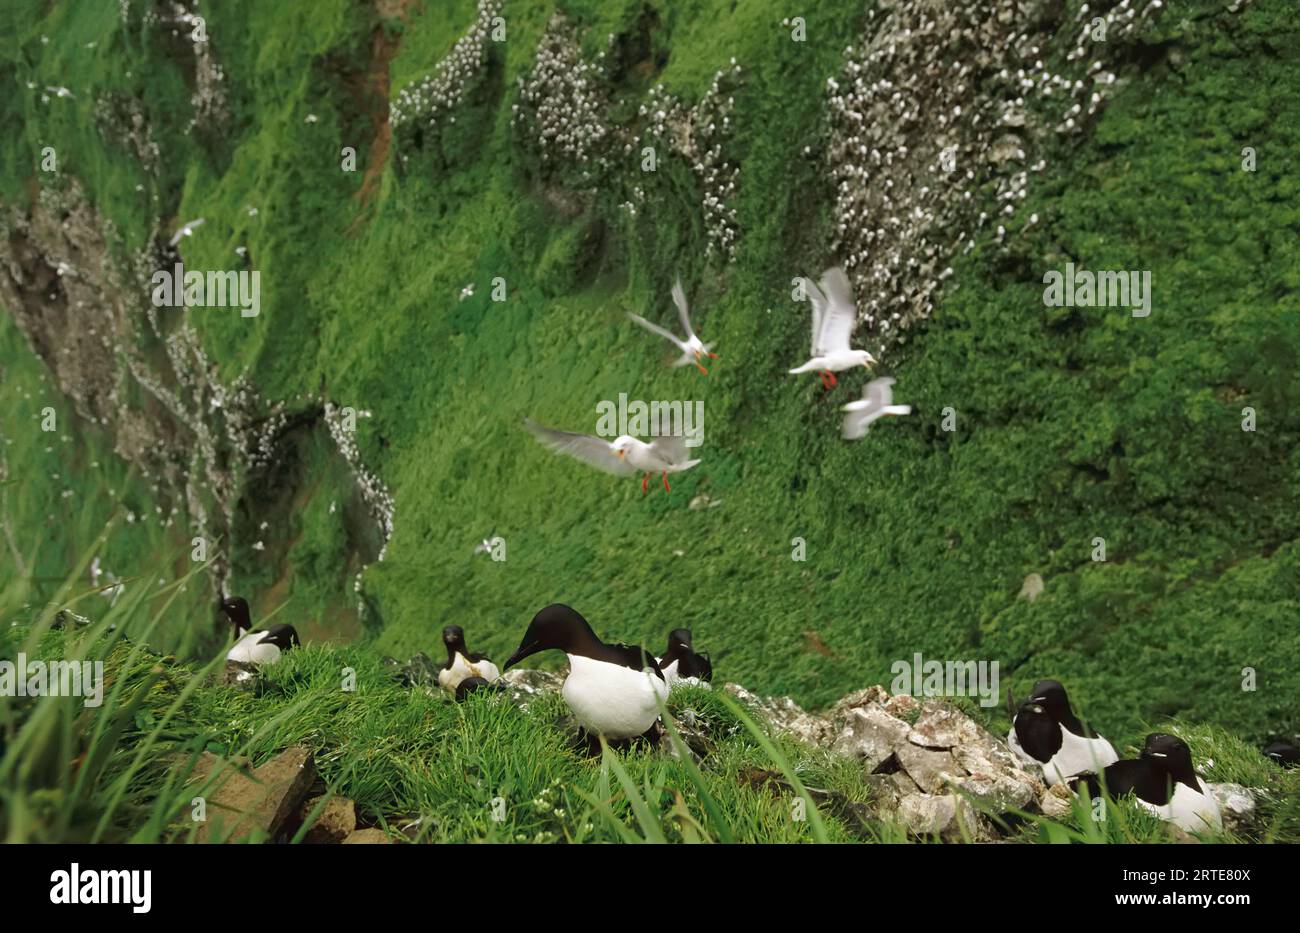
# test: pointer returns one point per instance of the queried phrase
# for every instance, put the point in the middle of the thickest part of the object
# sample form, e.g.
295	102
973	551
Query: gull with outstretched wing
834	317
624	456
185	230
877	401
692	347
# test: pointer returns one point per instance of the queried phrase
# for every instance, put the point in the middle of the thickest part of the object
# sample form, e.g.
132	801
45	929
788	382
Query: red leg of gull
834	381
825	382
645	484
667	488
702	369
713	356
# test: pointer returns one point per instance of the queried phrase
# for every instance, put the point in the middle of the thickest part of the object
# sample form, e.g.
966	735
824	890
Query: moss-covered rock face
477	266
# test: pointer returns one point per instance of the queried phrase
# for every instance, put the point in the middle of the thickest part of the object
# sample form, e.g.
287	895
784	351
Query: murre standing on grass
463	664
681	664
264	646
1046	730
1164	783
613	690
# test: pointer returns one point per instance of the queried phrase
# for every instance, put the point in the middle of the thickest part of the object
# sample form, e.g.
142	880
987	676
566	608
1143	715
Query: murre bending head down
613	689
261	647
1045	730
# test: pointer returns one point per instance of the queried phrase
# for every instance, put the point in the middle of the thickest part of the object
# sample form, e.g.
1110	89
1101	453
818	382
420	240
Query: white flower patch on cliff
942	115
562	104
700	135
424	104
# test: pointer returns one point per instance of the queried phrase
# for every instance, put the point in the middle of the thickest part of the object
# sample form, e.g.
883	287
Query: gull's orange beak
622	454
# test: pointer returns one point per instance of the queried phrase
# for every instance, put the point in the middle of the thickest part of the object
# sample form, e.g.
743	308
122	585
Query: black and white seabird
264	646
1045	730
681	664
1284	753
461	662
1163	782
613	690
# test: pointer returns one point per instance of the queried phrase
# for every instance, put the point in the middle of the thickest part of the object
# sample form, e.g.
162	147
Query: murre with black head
1283	753
1045	730
681	663
614	690
261	647
462	663
1163	782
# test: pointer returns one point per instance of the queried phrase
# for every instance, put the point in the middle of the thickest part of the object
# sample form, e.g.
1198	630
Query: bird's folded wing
584	447
669	443
837	321
670	448
679	299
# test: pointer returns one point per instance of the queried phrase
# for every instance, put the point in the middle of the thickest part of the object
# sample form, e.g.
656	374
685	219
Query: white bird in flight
185	230
60	92
693	348
877	401
833	319
625	456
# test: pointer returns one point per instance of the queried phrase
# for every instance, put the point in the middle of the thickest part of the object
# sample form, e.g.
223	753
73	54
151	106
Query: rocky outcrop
933	768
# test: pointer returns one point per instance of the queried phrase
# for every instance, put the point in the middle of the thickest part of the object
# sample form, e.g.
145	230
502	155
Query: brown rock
363	837
252	807
333	824
1057	802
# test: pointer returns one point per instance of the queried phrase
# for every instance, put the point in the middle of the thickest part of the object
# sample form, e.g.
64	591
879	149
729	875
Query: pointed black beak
523	652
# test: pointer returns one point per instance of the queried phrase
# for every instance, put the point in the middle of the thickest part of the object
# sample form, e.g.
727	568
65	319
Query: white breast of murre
1189	810
1077	755
248	651
449	678
611	699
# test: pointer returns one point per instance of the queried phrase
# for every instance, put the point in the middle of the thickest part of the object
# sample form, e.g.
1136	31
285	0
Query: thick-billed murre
681	663
461	662
1045	730
1163	782
264	646
613	690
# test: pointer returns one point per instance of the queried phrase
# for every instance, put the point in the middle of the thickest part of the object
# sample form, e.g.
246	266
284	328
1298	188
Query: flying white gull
185	230
876	402
833	319
693	348
625	456
60	92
